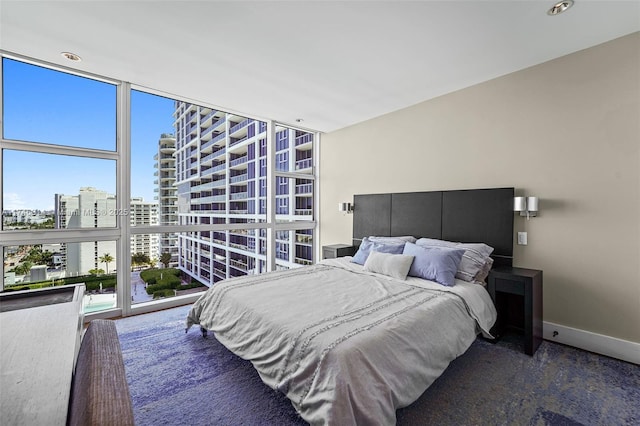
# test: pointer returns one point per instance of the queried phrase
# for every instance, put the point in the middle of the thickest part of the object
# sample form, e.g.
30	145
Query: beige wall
567	131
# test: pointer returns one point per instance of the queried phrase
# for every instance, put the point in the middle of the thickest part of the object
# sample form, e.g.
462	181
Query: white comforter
346	346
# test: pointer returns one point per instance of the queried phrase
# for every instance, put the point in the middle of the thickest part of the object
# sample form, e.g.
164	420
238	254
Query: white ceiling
331	63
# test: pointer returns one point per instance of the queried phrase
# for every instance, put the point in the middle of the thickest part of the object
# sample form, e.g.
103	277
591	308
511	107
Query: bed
349	343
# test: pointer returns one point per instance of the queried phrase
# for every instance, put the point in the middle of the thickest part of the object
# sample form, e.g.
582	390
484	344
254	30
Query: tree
140	259
24	268
106	259
165	258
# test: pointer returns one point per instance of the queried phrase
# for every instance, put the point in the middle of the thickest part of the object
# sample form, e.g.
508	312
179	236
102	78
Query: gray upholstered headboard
475	215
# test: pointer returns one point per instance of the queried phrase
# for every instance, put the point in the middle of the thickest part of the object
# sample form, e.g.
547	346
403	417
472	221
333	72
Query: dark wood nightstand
517	294
337	250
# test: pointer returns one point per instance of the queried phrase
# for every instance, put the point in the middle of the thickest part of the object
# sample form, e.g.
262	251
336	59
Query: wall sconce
527	206
345	207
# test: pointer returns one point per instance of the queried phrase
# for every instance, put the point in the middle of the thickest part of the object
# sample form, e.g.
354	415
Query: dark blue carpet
183	379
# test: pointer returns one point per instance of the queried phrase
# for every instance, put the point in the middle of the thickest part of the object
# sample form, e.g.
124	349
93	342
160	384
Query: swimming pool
98	302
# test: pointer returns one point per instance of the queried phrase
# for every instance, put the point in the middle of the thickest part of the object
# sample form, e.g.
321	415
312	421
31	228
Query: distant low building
38	273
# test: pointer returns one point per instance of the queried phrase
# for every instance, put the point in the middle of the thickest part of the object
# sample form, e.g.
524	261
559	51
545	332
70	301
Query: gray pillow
393	265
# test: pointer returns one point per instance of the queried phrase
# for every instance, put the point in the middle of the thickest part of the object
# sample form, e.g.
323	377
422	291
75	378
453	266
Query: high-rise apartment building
91	208
221	177
167	195
143	213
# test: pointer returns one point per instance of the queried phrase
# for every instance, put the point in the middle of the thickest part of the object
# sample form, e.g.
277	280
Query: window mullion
271	197
123	201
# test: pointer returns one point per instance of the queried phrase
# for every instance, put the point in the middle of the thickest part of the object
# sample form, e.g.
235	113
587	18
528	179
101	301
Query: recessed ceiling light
71	56
560	7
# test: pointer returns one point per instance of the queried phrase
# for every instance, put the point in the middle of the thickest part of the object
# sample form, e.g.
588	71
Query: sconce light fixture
527	206
345	207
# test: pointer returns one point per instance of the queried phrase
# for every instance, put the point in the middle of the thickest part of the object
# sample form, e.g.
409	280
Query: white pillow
393	265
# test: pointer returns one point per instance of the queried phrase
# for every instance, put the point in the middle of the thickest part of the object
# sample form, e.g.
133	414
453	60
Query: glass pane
220	164
94	263
294	248
209	257
43	105
57	191
294	199
153	162
294	150
154	271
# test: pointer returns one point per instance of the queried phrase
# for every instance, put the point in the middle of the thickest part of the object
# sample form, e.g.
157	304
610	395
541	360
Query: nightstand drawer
337	250
510	286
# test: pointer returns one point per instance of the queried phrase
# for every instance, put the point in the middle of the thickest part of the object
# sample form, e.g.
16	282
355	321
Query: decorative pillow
475	257
433	263
483	273
405	238
367	246
393	265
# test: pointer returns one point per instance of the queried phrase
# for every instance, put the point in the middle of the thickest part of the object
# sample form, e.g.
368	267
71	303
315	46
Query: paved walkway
138	290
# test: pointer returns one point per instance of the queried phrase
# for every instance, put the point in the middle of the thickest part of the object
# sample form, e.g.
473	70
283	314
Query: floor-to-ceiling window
148	200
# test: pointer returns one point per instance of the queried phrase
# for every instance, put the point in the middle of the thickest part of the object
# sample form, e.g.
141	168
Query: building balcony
238	246
238	196
206	145
239	264
192	127
219	168
218	138
238	178
303	212
236	141
306	188
206	171
240	125
219	152
307	163
238	161
209	199
304	139
304	239
207	158
209	116
201	187
205	133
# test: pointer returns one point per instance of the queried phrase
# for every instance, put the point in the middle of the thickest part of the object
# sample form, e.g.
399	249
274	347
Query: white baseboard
592	342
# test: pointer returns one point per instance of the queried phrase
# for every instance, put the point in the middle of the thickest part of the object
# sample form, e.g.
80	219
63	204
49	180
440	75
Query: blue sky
47	106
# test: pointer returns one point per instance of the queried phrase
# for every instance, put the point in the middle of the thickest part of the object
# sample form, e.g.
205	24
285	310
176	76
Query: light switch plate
522	238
